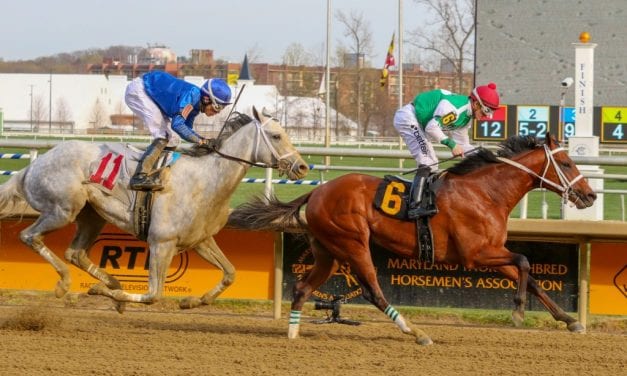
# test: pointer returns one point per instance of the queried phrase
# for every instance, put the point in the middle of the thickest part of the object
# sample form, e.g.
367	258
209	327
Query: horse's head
569	181
557	172
273	148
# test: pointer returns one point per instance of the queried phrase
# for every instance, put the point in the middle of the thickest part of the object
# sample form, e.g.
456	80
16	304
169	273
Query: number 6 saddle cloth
393	195
393	198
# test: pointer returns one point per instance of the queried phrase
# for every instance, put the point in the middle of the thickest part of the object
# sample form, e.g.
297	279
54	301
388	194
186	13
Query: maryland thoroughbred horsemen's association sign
410	282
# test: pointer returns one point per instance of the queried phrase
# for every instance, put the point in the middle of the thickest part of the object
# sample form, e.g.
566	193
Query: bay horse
186	214
474	200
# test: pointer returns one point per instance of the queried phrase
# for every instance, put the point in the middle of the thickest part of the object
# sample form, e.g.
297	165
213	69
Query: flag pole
327	139
400	53
400	70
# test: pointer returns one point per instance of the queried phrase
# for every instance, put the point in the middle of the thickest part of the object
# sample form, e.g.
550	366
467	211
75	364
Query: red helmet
486	95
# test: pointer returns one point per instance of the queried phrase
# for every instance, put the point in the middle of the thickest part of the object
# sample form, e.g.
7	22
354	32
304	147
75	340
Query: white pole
327	140
400	70
400	53
584	143
268	184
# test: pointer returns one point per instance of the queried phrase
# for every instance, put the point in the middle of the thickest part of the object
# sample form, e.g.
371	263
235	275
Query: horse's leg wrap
292	331
142	181
421	337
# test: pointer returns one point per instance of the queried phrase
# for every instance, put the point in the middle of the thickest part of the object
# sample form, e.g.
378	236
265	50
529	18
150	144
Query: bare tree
39	111
452	41
98	115
295	54
357	30
62	112
254	53
316	109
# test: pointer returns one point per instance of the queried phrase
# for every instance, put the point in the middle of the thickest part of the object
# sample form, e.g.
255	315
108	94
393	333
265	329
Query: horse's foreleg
521	262
324	266
160	259
555	310
210	251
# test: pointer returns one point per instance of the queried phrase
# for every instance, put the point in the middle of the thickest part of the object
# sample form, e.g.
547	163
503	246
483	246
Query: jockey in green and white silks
443	117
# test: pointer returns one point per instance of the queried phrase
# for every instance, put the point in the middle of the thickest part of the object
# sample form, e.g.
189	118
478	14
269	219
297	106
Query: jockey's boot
417	208
142	181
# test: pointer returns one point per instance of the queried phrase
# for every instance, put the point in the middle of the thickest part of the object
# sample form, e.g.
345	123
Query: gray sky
35	28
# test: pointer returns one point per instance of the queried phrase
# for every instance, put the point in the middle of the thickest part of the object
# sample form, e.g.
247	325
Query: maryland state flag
389	62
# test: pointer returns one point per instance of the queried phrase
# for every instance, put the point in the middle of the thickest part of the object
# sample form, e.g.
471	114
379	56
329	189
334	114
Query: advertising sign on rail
608	279
126	258
407	281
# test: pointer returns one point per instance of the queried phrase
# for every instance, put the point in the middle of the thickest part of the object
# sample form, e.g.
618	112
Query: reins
444	160
280	164
259	135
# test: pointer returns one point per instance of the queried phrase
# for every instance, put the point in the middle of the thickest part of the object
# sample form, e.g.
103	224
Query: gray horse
191	209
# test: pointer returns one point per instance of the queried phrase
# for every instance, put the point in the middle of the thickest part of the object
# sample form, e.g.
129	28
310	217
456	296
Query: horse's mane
507	149
232	125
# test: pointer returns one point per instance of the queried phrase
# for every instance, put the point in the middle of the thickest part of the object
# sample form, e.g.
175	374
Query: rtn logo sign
128	259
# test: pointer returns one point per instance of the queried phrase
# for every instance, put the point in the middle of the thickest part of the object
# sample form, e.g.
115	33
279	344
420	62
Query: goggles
217	107
487	111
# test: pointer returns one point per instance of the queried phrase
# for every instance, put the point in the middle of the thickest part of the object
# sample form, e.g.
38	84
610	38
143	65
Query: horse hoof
424	341
96	289
517	318
60	290
120	307
576	327
188	303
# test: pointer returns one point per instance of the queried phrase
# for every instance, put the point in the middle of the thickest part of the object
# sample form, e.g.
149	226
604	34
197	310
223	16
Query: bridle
282	164
565	186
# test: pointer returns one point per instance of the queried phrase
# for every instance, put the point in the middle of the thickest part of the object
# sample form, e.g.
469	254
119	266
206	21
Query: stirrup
143	182
419	212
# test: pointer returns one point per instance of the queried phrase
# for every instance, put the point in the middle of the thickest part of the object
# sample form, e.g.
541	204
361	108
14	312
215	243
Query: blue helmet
218	92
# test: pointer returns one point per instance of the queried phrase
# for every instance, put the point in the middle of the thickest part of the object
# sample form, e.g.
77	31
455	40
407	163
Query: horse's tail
12	195
263	213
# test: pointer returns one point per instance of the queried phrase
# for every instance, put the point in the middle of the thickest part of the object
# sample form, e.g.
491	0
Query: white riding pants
415	137
144	107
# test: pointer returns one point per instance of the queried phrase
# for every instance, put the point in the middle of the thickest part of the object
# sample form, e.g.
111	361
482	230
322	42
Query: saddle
111	174
393	199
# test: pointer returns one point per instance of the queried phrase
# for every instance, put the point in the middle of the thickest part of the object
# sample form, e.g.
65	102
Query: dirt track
88	338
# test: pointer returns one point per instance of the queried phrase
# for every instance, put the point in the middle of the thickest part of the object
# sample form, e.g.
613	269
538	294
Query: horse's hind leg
556	311
88	227
161	254
32	236
210	251
324	266
361	264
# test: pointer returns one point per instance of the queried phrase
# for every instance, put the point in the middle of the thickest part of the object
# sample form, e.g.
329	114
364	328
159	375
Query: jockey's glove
208	143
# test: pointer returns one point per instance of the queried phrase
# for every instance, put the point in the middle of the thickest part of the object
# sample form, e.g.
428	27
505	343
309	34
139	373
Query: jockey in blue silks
168	106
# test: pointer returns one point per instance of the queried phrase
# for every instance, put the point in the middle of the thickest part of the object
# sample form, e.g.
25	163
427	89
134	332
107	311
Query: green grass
612	202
